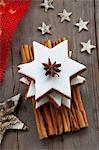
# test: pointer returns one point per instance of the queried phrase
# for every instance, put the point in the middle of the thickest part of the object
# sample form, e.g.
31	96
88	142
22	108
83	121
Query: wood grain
26	33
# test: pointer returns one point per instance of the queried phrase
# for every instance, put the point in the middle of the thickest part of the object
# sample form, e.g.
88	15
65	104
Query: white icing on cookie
41	102
31	90
44	84
25	80
55	96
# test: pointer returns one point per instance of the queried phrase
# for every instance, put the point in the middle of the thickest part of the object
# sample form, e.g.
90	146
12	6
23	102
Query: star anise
51	69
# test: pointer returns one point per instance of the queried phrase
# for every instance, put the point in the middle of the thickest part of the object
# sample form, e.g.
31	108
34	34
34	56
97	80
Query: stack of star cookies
53	79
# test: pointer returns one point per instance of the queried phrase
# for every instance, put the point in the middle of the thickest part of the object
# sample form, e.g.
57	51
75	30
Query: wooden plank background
86	139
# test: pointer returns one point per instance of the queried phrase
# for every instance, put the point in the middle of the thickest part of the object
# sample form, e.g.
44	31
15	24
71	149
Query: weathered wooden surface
26	33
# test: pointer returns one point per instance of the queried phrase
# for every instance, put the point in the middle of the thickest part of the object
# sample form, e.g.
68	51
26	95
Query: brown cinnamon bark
40	123
24	59
59	121
53	115
65	110
64	119
31	52
77	109
73	123
48	120
75	116
27	54
81	106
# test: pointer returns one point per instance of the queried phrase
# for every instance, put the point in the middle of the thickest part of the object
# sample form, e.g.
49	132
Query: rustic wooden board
26	33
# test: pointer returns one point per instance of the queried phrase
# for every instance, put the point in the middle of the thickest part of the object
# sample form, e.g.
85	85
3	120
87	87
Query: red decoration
10	15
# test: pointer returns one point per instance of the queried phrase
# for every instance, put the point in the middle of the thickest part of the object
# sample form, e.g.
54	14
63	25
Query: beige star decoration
12	11
65	15
82	25
87	47
47	4
45	28
7	119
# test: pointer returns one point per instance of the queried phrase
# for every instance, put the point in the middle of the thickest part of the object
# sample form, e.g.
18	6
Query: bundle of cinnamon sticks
51	120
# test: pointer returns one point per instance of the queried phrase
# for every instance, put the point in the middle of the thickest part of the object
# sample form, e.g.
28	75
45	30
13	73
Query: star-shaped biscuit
82	25
44	84
47	5
45	28
7	119
55	96
87	47
65	15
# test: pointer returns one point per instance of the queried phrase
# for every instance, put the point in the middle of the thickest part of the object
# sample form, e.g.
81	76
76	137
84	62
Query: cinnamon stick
77	109
31	52
49	44
75	116
48	120
73	124
40	123
59	120
81	106
64	119
26	49
53	115
24	59
67	118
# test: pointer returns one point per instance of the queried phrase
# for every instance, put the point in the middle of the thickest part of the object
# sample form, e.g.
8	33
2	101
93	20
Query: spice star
7	119
87	47
45	28
47	4
51	69
44	84
65	15
82	25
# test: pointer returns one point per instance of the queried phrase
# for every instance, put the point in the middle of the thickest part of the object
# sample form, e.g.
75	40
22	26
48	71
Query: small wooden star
87	47
82	25
47	4
65	15
45	28
7	119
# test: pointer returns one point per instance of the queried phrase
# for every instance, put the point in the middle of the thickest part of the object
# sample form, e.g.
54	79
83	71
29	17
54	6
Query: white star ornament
45	28
65	15
82	25
87	47
47	4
